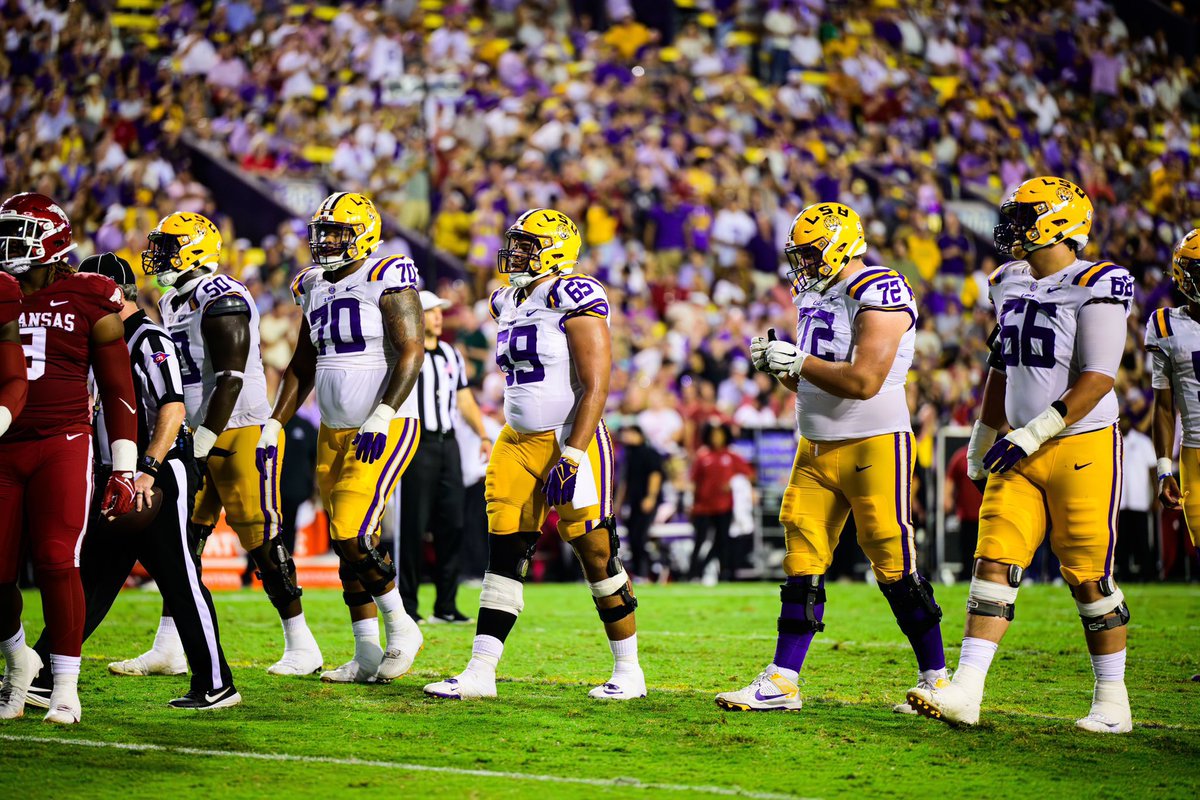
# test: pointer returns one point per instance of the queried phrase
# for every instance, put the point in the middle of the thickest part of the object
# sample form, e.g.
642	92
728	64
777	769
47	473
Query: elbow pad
110	362
14	382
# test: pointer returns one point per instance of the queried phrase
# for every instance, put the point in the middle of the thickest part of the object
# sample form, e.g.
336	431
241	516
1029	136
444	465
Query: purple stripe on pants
1114	498
900	482
379	484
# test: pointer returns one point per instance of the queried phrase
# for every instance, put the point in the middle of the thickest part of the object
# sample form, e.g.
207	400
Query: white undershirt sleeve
1101	337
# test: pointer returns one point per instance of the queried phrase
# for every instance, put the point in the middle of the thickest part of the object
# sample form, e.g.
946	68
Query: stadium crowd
683	149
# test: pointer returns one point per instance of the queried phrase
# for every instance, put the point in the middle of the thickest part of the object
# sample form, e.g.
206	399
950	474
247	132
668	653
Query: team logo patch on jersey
159	358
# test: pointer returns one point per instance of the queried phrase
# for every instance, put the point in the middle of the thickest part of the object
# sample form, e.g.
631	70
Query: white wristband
202	441
1165	468
124	455
5	419
1038	431
380	419
271	429
574	455
982	438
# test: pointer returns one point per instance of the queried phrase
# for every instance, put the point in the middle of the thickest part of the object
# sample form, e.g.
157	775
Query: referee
156	532
431	493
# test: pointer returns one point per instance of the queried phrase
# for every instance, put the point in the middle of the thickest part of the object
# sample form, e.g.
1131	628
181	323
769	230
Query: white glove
758	353
982	438
1039	430
784	359
267	448
202	441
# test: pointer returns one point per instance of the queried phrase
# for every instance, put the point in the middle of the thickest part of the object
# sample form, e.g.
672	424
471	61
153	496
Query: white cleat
401	653
17	678
297	662
350	672
1110	709
152	662
946	701
770	691
64	706
626	686
466	685
926	682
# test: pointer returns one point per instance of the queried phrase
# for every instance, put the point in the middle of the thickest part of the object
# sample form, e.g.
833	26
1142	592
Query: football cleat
770	691
1110	709
926	683
38	696
628	685
17	679
455	618
64	703
202	700
402	648
297	662
468	684
351	672
152	662
946	701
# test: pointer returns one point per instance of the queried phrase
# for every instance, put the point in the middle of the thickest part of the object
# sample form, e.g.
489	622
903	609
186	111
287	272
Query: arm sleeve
114	380
1101	337
14	383
159	363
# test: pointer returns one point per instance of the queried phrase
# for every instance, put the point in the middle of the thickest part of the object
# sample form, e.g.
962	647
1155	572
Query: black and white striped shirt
156	380
443	374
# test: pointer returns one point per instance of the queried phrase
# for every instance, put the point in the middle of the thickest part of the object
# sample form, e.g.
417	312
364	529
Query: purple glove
368	447
1003	456
267	448
560	483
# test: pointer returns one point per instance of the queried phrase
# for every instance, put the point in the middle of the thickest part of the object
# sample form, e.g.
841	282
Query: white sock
366	640
296	635
390	601
485	654
625	657
15	646
791	674
1110	667
974	663
64	665
167	640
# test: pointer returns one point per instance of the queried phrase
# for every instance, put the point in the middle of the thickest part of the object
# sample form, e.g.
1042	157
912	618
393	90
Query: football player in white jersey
213	321
1058	471
361	345
854	345
554	452
1173	342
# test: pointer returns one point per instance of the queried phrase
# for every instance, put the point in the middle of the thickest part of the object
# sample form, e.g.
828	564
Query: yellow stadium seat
133	22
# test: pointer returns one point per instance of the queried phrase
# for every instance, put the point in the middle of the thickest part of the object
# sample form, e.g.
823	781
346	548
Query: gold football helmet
180	244
1041	212
823	239
345	229
1185	266
541	242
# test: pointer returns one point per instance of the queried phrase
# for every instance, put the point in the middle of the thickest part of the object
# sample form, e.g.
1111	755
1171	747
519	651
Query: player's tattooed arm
877	337
227	340
591	354
405	325
298	378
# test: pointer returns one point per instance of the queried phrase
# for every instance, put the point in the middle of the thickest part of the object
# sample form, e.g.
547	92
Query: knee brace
373	570
1095	616
511	554
987	599
617	582
501	593
808	593
912	602
277	571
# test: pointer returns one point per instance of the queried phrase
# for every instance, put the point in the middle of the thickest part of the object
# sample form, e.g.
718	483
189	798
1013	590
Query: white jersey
826	330
355	357
1040	335
1173	342
542	389
182	315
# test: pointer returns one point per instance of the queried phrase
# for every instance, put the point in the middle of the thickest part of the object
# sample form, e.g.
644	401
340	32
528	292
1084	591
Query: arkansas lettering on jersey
56	328
1173	342
354	354
541	389
1039	333
825	329
10	298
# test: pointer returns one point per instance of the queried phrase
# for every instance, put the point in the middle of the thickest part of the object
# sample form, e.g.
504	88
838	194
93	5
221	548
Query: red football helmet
34	231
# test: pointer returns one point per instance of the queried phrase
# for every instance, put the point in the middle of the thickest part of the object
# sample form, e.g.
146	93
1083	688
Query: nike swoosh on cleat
857	468
759	696
212	698
1081	466
612	688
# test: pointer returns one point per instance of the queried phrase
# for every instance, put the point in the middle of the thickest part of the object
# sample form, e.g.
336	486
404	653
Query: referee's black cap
110	265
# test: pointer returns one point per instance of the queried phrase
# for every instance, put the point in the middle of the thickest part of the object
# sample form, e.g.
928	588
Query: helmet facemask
1187	277
520	259
807	261
1016	222
161	257
333	244
20	245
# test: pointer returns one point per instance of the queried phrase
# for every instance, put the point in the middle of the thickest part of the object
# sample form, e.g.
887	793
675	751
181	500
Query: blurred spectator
962	499
640	489
1135	521
712	473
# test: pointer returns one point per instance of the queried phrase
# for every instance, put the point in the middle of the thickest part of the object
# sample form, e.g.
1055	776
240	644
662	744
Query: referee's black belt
436	435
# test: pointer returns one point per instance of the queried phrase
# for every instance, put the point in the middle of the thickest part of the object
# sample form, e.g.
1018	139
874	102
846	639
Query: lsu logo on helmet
824	237
1041	212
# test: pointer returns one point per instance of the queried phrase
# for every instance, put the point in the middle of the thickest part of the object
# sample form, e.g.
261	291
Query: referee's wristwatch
149	465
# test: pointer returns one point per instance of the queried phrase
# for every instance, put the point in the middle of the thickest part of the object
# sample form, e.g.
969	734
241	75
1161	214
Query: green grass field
300	738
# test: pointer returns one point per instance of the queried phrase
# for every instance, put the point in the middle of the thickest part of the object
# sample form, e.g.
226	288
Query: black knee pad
277	571
809	593
617	582
356	599
373	569
912	601
511	554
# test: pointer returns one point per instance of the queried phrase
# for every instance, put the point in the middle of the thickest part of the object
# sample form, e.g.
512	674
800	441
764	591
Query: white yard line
614	783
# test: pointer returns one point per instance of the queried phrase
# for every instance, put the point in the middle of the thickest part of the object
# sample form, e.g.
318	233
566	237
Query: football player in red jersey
68	324
13	381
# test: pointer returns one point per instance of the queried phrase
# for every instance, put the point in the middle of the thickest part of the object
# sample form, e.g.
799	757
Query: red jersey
56	329
712	472
10	298
967	498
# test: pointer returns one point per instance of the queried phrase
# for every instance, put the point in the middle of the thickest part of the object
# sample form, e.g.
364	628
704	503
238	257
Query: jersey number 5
1028	344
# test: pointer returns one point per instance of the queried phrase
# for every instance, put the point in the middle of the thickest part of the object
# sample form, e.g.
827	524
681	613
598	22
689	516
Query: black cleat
456	617
201	700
